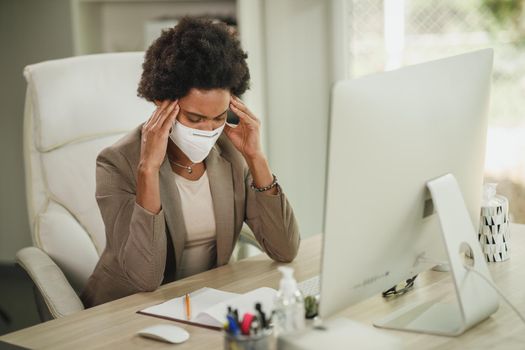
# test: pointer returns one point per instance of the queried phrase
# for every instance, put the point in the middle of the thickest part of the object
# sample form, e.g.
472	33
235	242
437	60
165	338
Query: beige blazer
137	241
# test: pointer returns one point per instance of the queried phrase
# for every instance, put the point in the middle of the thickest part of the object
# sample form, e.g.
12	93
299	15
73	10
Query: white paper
209	306
245	303
201	300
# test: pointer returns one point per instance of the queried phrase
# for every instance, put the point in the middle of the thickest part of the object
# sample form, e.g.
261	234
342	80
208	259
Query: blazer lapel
221	187
170	200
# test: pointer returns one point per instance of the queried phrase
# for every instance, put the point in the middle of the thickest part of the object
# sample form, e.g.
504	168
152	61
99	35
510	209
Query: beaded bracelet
266	188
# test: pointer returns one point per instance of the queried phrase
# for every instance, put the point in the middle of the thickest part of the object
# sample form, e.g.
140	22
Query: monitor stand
476	300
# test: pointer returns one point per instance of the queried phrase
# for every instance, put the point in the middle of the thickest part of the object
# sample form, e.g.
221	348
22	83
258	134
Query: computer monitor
390	134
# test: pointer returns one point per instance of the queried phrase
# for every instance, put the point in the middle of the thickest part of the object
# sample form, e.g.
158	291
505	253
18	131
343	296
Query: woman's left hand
246	137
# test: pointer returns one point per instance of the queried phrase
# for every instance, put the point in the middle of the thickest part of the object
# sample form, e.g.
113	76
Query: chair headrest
104	87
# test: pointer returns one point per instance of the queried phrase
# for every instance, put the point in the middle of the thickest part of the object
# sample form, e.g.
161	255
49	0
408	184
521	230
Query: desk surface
114	325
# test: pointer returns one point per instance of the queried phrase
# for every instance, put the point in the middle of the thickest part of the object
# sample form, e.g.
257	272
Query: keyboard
310	286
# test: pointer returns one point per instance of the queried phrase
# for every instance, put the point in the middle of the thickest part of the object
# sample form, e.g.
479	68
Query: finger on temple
170	118
243	116
241	106
166	107
166	112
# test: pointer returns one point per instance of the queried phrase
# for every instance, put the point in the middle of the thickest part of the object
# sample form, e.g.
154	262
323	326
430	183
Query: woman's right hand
155	133
153	146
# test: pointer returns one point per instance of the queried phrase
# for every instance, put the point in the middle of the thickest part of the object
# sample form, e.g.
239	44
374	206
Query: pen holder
264	340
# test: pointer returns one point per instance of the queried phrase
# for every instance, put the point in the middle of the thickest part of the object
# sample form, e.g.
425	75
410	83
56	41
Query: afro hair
196	53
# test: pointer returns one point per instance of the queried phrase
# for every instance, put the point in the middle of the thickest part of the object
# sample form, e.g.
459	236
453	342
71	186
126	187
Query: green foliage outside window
508	16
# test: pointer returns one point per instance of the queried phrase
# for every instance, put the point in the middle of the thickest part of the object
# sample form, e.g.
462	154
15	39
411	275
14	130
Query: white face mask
196	144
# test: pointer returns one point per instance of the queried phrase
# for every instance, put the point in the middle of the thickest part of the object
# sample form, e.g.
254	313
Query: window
387	34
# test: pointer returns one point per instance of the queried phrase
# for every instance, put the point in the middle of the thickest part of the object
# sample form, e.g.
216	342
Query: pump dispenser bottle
289	305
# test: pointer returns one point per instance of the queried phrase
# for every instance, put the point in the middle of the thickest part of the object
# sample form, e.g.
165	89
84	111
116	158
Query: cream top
200	250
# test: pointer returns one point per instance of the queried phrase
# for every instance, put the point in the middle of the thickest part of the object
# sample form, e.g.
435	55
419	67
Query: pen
262	316
236	316
188	306
232	325
246	323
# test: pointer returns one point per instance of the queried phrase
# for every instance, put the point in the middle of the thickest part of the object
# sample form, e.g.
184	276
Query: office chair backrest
74	108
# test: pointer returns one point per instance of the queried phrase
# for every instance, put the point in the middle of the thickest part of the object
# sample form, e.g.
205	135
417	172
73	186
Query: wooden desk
114	325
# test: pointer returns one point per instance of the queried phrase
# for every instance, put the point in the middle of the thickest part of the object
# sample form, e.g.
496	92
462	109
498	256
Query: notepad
209	306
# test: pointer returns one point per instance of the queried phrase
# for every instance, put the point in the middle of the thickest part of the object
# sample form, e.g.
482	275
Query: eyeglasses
400	288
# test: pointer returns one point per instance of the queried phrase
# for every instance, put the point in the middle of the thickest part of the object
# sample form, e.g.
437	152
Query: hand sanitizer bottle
289	305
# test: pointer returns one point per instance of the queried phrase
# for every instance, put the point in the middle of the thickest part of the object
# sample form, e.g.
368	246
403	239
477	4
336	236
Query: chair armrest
246	246
59	297
247	237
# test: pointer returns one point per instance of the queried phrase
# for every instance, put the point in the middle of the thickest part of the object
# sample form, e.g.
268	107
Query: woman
175	192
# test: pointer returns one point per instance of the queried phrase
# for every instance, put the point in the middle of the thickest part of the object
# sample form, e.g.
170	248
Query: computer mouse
165	332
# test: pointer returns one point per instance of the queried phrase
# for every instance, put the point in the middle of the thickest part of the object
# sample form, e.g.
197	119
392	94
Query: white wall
299	65
298	103
30	31
252	34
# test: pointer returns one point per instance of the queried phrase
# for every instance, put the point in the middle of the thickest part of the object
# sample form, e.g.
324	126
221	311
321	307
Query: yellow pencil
188	307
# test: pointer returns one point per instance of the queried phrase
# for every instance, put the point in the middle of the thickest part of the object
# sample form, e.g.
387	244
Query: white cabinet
116	26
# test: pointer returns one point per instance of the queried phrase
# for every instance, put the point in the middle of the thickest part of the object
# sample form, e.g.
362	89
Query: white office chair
74	108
